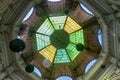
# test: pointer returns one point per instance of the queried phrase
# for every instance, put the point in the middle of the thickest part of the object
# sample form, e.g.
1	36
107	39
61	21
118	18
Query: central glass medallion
59	39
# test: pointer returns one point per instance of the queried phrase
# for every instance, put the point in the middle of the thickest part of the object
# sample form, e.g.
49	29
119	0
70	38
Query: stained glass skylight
71	26
58	22
61	56
49	52
57	38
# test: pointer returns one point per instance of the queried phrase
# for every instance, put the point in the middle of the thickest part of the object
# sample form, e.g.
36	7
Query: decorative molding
114	4
107	72
3	28
4	55
3	75
7	72
4	5
115	75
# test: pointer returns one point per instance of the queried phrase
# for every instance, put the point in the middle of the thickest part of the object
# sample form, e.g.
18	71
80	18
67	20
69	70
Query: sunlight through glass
85	9
89	65
64	78
54	0
28	14
37	71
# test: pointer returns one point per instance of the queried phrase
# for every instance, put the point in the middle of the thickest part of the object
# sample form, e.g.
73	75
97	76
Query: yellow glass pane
71	26
48	52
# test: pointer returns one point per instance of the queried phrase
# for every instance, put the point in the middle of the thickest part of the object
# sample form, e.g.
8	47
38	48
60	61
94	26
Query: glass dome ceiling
57	38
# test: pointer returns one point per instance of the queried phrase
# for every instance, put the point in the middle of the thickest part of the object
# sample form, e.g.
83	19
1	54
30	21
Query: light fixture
29	68
17	45
46	63
80	47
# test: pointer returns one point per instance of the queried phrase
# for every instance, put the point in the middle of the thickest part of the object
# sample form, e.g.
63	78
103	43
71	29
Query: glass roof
46	28
61	56
57	38
48	52
72	52
58	22
71	26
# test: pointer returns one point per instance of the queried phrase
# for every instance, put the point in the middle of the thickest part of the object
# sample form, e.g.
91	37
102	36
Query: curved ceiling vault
54	33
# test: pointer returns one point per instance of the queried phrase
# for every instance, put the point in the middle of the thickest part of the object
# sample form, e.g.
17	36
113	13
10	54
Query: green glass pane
61	56
71	50
42	41
77	37
46	28
58	22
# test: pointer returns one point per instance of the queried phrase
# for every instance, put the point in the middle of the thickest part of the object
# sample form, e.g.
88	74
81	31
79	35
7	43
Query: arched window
89	65
64	78
28	14
37	71
54	0
86	10
100	37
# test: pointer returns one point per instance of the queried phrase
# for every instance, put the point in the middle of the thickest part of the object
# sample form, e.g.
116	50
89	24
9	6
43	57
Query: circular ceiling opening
59	39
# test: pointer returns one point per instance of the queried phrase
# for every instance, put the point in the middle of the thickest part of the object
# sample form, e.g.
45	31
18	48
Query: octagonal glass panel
42	41
57	38
77	37
48	52
58	22
71	26
61	56
72	51
46	28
